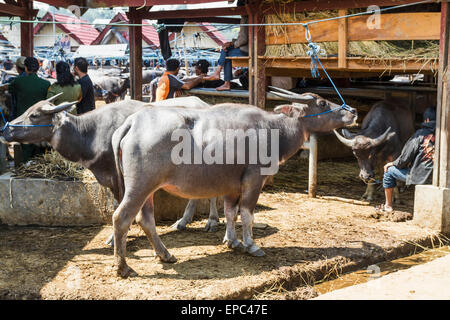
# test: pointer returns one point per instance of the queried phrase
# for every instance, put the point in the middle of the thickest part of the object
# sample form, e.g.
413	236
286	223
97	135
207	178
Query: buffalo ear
286	109
291	110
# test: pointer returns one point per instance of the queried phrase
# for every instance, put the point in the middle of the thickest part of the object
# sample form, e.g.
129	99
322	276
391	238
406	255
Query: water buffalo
108	88
145	159
384	131
86	138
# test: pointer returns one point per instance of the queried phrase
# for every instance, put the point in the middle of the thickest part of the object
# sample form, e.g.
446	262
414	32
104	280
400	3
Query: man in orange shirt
169	83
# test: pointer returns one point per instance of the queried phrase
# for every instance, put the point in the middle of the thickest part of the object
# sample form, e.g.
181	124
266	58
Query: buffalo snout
366	176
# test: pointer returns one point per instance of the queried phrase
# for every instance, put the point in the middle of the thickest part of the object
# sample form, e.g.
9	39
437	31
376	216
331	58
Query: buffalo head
365	150
315	110
36	124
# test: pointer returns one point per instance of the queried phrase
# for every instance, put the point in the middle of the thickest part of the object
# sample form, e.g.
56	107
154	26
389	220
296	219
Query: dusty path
305	240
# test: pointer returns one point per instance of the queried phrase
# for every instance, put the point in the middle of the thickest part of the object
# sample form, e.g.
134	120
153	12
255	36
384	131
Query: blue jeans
393	174
226	63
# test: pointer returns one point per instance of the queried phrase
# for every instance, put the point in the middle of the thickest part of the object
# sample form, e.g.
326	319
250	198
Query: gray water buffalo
108	88
147	77
86	138
148	159
384	131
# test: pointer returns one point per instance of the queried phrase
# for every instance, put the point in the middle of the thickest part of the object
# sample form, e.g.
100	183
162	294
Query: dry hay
52	165
421	50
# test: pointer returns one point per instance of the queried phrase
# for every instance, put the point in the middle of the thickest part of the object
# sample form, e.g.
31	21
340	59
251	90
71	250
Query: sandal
381	208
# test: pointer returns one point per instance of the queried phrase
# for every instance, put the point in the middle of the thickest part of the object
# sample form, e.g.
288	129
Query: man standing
415	163
168	84
28	90
87	102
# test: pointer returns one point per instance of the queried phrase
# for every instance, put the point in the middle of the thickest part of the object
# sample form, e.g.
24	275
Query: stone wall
72	203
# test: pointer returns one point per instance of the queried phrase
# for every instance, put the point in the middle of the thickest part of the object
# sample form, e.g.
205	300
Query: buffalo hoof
258	253
125	271
170	259
235	244
110	241
255	251
179	225
211	226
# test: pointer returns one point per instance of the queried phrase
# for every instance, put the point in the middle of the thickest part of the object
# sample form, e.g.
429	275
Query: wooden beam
441	168
215	20
314	5
135	55
26	31
122	3
64	3
298	73
394	26
342	40
366	65
197	13
13	10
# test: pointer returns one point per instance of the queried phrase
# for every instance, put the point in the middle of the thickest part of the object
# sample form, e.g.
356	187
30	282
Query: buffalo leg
146	220
250	195
370	190
187	216
122	219
231	205
397	199
189	212
213	220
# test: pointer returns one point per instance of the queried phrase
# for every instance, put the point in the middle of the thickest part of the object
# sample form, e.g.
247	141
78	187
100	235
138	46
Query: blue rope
7	124
313	53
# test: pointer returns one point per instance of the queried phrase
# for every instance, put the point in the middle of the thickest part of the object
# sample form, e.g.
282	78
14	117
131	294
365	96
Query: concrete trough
48	202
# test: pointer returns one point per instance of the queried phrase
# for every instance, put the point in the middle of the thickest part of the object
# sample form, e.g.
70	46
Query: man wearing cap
415	163
168	84
28	89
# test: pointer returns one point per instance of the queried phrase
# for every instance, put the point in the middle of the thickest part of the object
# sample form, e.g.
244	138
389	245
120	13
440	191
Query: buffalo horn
377	141
345	141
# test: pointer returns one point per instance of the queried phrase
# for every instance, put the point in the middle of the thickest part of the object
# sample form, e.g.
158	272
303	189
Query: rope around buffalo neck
7	124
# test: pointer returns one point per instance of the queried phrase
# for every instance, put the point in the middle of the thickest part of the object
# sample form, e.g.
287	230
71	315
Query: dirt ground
305	240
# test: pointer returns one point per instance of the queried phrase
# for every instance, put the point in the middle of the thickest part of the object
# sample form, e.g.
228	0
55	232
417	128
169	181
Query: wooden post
186	62
342	42
251	57
260	80
312	176
442	152
26	31
135	55
18	155
3	157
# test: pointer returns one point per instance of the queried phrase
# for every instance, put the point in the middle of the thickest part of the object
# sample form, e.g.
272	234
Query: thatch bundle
52	165
405	49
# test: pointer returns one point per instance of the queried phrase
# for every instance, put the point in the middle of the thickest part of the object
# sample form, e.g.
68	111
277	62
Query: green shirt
28	90
70	93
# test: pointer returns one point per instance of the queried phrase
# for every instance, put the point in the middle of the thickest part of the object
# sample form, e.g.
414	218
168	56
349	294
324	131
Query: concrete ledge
72	203
432	208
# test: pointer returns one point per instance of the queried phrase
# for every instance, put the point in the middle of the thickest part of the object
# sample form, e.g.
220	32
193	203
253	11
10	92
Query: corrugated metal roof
215	34
83	33
149	34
